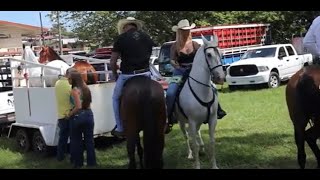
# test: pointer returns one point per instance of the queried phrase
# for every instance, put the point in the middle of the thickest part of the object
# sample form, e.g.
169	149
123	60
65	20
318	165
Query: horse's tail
153	113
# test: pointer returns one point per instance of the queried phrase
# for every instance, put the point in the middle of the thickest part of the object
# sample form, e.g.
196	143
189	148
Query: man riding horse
134	47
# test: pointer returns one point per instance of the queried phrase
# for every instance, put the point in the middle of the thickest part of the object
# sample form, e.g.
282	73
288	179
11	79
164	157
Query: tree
64	31
99	27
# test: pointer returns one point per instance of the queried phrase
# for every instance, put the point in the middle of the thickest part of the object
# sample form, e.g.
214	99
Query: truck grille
243	70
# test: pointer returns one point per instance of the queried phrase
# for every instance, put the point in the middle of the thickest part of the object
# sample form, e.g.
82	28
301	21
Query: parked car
267	64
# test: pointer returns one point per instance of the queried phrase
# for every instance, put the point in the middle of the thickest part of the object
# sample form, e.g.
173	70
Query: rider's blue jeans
117	93
172	90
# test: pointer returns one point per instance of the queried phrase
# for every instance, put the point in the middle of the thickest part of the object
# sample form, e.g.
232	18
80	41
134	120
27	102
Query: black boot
171	121
221	113
168	128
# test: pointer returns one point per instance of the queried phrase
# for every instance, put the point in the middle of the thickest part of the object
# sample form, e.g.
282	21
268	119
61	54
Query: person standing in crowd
62	91
82	121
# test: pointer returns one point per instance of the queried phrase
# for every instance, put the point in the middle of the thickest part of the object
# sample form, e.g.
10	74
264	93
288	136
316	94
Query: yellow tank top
63	90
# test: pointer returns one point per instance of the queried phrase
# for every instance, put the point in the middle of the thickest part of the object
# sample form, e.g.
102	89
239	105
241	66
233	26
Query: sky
26	17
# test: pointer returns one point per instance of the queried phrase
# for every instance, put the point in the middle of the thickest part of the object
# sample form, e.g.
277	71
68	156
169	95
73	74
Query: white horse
198	102
50	75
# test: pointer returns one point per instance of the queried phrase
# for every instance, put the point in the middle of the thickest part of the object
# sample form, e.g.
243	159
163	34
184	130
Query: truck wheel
23	140
38	144
274	81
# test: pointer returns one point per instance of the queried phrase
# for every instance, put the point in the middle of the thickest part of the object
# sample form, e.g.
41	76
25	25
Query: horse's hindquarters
143	108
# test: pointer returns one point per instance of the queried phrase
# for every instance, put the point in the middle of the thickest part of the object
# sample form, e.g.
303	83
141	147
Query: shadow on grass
105	142
246	88
257	150
31	159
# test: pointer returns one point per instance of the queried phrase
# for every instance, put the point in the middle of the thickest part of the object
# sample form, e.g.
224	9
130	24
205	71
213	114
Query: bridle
205	104
208	65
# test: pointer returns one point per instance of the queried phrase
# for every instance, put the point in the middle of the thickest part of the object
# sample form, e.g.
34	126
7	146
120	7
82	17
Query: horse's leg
299	135
140	151
212	126
200	141
312	134
192	131
131	146
185	135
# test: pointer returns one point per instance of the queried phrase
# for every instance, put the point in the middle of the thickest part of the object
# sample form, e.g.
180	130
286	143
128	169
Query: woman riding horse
182	54
198	101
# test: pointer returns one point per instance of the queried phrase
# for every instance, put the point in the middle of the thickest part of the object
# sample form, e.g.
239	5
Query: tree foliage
99	27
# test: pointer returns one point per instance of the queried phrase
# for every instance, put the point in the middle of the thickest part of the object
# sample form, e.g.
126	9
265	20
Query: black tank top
186	58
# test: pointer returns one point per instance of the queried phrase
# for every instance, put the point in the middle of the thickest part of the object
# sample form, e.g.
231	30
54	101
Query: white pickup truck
266	64
6	93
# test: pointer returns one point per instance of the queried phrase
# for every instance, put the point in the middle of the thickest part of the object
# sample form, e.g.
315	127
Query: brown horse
142	108
88	72
303	101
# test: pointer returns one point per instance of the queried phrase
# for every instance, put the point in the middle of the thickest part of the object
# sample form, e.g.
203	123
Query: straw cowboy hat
129	20
183	24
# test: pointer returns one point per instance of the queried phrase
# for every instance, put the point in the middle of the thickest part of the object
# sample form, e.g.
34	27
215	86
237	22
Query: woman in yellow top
63	90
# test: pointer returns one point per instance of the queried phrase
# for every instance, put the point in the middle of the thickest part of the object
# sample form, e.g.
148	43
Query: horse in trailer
88	72
197	102
51	76
303	102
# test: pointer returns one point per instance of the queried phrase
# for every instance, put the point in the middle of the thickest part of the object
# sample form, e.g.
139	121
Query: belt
136	71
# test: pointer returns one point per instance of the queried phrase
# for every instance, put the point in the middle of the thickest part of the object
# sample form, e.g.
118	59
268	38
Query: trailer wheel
23	140
38	144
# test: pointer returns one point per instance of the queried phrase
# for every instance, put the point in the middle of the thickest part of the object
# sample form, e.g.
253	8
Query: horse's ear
205	41
215	39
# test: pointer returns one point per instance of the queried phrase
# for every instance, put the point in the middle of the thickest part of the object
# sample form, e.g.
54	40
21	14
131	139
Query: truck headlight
263	68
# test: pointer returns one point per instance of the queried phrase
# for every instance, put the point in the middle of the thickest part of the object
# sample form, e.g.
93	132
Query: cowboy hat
126	21
183	24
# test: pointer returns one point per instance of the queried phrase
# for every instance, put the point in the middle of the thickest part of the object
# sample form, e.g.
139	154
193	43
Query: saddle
181	81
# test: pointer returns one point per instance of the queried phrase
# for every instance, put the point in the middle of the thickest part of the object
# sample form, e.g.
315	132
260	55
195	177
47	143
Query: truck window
282	53
259	53
165	67
164	55
290	50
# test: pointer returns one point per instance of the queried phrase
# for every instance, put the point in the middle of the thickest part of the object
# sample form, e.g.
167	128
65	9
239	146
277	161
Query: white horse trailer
36	108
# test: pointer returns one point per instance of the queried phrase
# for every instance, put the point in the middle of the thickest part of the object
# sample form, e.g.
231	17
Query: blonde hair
182	37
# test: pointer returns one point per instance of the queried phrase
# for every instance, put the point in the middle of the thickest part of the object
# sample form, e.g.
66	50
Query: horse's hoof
215	167
202	153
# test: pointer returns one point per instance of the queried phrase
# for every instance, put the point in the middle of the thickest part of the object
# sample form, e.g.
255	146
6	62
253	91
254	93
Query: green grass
256	133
